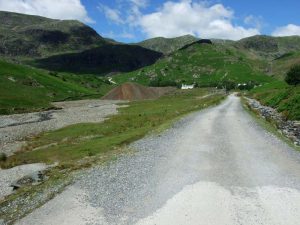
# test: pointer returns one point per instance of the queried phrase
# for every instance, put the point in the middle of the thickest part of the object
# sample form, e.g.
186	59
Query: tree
293	76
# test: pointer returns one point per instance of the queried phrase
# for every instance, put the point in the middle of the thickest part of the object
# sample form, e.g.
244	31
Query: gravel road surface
214	167
15	128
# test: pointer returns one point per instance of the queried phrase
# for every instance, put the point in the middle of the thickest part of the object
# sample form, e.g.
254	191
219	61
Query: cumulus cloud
56	9
176	18
289	30
196	18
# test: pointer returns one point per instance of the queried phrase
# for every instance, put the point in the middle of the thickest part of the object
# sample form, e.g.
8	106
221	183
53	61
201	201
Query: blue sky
136	20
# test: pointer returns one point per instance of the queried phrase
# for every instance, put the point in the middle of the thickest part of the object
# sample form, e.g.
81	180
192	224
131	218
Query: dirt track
215	167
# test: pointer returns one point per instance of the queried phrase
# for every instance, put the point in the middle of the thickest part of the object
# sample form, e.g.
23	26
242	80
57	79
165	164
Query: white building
187	87
111	80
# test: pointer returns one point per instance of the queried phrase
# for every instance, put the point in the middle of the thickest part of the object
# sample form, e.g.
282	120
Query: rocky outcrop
202	41
290	129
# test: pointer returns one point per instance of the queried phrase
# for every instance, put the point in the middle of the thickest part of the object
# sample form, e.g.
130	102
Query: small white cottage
187	87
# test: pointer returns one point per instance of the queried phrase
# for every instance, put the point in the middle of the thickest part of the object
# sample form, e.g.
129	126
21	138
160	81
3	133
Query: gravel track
214	167
14	129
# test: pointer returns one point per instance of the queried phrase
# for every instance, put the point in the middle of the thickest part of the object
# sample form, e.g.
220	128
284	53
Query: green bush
293	76
162	83
227	84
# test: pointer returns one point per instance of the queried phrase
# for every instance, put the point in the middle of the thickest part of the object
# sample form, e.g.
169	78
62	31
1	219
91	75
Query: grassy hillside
279	95
34	36
280	66
102	60
167	45
23	88
205	64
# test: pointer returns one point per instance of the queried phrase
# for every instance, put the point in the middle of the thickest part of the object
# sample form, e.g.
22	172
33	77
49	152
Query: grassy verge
268	125
76	142
80	146
279	95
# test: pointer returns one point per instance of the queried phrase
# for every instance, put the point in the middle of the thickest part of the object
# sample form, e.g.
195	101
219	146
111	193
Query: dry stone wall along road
214	167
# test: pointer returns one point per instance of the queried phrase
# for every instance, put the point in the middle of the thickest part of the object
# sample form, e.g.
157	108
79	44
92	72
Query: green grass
84	140
279	95
24	89
167	45
284	63
204	64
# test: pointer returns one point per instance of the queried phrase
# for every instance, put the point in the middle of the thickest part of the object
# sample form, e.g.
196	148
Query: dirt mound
133	92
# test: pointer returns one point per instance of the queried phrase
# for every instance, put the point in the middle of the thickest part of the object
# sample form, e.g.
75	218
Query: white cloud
256	21
111	14
139	3
196	18
288	30
56	9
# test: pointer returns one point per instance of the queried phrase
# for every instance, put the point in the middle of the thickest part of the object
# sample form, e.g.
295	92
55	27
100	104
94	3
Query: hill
167	45
201	63
67	45
23	88
35	36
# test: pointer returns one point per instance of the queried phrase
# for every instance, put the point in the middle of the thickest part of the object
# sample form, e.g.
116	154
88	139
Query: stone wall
290	129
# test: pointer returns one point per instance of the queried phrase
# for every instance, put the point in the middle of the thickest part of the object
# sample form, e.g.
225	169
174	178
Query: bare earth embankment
214	167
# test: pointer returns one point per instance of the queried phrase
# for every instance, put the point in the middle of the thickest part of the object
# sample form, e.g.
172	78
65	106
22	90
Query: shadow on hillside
101	60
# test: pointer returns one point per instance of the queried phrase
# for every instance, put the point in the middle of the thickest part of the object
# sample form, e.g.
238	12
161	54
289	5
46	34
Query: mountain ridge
36	36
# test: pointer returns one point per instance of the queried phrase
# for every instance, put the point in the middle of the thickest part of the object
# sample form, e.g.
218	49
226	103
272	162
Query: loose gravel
213	167
14	129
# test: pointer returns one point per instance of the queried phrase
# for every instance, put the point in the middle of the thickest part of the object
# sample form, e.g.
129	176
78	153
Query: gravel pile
15	128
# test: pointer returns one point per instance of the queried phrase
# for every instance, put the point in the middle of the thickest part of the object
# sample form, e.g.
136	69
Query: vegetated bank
27	89
280	96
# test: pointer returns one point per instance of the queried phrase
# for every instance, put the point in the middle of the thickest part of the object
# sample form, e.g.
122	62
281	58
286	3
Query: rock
290	129
24	181
28	180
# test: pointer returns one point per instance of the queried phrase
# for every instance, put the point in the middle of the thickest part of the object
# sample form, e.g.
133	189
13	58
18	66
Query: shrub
158	82
3	157
293	76
227	85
